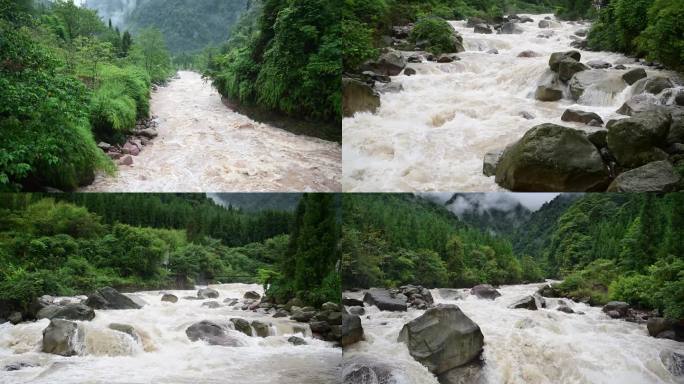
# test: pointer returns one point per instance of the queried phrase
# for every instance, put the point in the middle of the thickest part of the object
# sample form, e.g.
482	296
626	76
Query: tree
91	53
150	51
126	43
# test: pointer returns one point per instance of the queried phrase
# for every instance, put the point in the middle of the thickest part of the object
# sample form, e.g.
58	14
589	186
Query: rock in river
636	141
598	80
552	158
61	338
485	291
658	176
358	97
110	298
580	116
207	293
212	333
443	338
352	331
382	299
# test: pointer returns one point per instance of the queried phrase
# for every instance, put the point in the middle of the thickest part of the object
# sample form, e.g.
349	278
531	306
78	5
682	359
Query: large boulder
443	338
578	116
658	176
552	158
531	302
558	57
636	141
652	85
61	337
252	295
242	325
676	133
358	97
261	329
207	293
390	63
658	325
169	298
384	300
568	68
483	28
485	291
639	103
634	75
548	93
80	312
352	331
212	333
597	80
618	306
110	298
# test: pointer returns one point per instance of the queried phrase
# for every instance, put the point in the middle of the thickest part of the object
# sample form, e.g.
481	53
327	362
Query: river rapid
165	354
433	135
527	347
205	146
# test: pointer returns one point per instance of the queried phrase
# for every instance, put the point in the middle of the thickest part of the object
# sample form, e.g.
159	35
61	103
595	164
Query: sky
532	201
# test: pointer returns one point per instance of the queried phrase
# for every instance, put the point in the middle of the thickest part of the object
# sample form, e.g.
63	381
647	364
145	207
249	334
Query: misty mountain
494	212
254	202
187	25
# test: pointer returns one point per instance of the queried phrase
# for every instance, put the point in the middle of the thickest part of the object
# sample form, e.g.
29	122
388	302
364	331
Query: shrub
438	34
635	289
663	39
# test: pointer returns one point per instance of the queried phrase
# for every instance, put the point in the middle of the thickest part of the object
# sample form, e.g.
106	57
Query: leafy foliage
438	34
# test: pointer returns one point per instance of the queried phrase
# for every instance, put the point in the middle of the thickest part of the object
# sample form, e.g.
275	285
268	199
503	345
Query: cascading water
204	146
525	346
161	351
433	135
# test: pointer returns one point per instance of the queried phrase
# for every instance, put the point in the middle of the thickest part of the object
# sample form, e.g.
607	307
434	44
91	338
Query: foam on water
433	135
165	354
529	347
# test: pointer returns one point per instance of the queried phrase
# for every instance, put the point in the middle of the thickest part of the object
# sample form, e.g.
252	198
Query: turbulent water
205	146
165	354
554	348
434	134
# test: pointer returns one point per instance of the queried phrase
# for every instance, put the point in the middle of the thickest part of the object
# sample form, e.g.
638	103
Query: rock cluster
142	135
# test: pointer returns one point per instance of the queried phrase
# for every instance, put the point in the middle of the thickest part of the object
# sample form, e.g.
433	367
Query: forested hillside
605	247
67	81
284	56
50	246
258	202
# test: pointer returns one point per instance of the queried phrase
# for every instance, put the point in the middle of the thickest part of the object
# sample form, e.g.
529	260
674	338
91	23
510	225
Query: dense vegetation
68	80
604	247
644	28
50	246
309	269
396	239
284	56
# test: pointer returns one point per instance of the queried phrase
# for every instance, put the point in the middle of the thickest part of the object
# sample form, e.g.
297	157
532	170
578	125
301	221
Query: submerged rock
169	298
443	338
547	93
552	158
598	80
653	85
207	293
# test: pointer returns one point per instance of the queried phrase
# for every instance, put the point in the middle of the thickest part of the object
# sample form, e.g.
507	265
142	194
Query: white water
205	146
559	348
433	135
166	355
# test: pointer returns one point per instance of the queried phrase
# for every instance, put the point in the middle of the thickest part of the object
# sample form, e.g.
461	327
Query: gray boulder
207	293
598	80
252	295
211	304
599	64
294	340
110	298
658	325
61	337
634	75
639	103
80	312
382	299
242	325
125	328
558	57
652	85
491	160
212	333
358	97
578	116
531	302
443	338
676	132
547	93
658	176
483	28
635	141
390	63
568	67
673	361
352	331
565	309
510	29
485	291
552	158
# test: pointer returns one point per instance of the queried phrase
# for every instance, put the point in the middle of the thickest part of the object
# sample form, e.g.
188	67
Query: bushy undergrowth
437	35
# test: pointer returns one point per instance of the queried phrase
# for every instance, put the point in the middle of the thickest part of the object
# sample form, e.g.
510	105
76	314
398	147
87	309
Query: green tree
149	50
